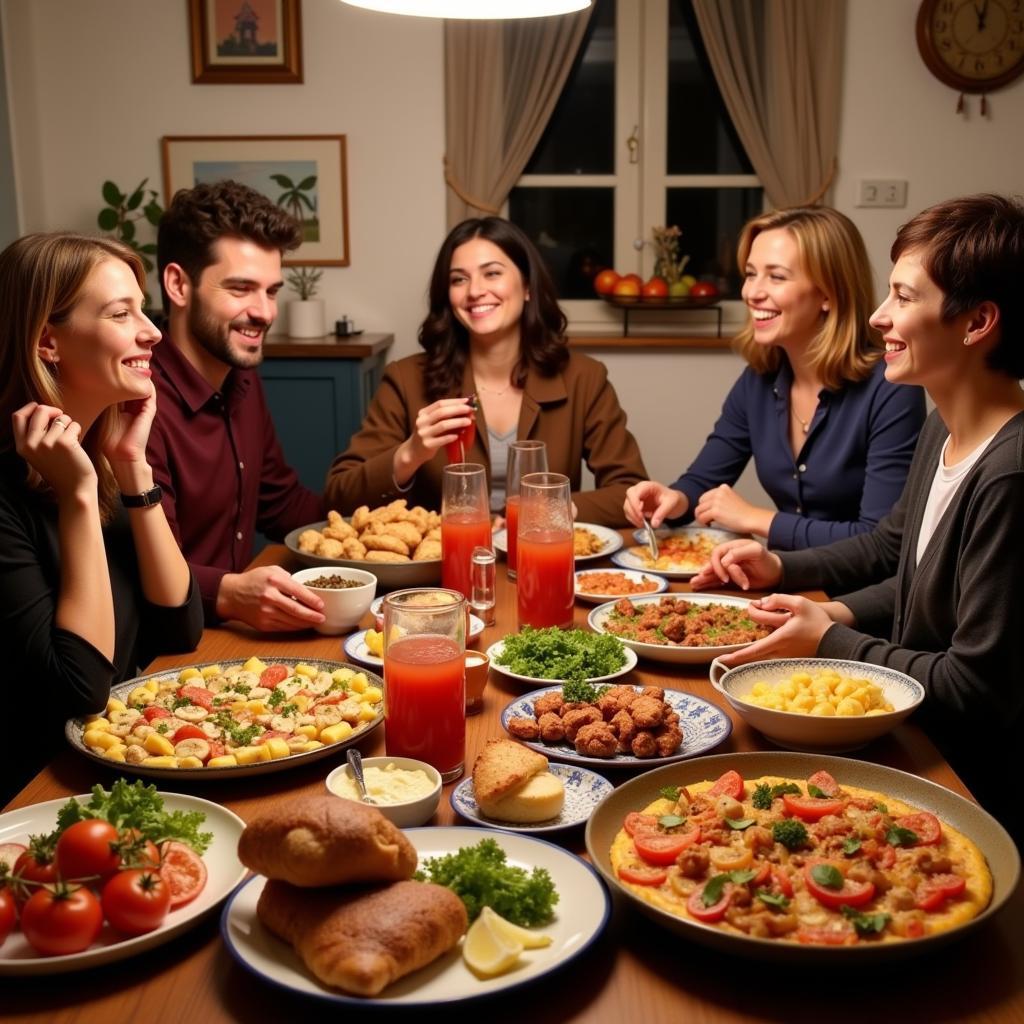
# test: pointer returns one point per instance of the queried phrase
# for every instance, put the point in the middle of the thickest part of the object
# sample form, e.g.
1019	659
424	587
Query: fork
652	539
355	762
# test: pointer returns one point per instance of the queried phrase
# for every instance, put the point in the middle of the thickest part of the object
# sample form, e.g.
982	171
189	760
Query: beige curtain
778	64
502	81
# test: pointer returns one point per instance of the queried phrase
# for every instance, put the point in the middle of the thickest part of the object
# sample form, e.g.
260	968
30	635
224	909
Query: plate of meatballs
625	726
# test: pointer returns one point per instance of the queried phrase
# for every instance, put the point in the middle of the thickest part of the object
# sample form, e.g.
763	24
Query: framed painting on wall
304	174
246	41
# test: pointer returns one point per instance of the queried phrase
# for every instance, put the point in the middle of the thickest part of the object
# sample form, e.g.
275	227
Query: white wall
94	84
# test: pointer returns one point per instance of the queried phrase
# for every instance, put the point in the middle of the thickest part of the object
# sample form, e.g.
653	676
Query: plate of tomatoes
81	903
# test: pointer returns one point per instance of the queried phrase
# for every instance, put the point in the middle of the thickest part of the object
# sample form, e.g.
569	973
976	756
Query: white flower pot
306	319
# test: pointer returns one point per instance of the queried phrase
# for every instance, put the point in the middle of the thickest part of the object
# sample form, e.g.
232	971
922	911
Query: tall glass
465	523
425	678
546	586
523	457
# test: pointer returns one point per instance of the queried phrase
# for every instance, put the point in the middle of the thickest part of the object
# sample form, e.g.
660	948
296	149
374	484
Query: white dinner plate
476	624
584	790
355	648
628	559
496	648
17	957
612	541
580	916
666	652
704	726
660	584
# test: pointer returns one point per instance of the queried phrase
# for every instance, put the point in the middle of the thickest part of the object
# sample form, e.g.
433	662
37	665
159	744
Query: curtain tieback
816	198
453	183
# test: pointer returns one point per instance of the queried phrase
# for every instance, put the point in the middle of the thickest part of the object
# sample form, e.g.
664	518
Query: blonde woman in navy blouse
831	439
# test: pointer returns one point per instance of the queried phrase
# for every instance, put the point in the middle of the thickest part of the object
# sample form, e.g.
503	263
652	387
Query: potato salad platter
211	720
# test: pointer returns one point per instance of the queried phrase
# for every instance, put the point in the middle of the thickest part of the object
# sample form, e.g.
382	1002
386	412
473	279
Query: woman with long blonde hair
92	584
830	438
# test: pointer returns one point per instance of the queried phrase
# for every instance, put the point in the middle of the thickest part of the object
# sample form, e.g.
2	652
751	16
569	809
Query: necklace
805	424
491	391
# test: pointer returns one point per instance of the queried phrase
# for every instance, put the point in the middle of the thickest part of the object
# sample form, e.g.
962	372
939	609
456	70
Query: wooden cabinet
318	391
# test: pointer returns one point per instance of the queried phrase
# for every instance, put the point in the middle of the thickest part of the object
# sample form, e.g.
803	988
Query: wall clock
972	45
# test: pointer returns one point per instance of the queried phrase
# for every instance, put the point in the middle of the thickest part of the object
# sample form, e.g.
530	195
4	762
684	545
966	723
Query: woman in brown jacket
494	330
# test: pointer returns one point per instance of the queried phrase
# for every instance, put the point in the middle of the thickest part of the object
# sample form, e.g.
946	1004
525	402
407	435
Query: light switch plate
890	193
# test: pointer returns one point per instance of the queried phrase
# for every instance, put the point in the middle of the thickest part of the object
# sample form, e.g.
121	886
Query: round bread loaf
540	798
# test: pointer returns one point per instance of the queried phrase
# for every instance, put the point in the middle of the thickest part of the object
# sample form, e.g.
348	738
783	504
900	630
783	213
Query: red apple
628	286
655	288
605	282
633	277
703	290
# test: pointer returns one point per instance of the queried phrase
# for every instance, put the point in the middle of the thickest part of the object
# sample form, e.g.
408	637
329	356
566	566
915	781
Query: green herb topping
790	832
569	654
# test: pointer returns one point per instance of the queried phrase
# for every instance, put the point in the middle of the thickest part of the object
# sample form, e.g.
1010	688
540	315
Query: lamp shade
475	9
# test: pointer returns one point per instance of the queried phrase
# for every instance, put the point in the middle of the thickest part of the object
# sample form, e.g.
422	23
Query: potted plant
123	210
306	317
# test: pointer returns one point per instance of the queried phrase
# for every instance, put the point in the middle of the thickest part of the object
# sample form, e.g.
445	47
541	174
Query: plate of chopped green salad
554	655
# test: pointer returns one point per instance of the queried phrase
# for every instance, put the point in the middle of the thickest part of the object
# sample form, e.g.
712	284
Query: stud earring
967	339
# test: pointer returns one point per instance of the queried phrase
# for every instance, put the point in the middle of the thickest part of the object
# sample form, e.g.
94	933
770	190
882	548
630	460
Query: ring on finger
62	421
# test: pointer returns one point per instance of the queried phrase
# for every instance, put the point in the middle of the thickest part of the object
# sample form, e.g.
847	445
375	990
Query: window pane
573	230
701	138
580	137
710	220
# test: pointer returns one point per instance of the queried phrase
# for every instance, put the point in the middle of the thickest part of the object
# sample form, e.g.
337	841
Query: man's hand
654	500
269	600
745	563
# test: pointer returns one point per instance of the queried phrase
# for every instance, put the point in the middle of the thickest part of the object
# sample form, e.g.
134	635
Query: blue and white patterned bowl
704	726
584	790
797	731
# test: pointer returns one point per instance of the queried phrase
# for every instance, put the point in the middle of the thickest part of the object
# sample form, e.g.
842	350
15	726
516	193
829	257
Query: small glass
482	570
546	588
425	678
465	523
523	457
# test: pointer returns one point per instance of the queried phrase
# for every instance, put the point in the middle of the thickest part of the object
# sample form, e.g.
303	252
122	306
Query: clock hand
983	16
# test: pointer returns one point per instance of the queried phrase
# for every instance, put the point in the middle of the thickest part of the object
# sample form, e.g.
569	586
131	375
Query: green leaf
112	194
147	263
712	892
283	180
107	219
743	876
127	230
302	199
307	183
851	846
817	793
149	248
773	899
865	924
668	821
827	875
669	792
785	787
897	836
135	199
882	808
738	824
153	211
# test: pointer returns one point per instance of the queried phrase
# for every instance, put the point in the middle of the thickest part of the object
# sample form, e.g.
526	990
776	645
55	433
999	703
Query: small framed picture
246	41
304	174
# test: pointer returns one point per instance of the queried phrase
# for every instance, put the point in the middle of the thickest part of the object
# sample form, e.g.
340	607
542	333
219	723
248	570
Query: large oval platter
636	556
75	727
598	618
221	859
580	916
704	726
993	840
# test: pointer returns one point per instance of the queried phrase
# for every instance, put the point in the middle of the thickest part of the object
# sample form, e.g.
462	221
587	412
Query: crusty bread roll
361	940
325	840
511	783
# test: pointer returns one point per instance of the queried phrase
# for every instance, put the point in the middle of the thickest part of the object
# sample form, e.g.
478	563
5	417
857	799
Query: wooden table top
636	971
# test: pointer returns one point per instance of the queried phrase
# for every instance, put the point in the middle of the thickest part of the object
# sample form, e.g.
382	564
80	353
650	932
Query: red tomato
273	674
851	893
730	783
663	847
637	822
188	732
640	875
925	825
8	912
184	872
839	934
199	696
137	851
810	808
936	889
216	749
762	876
703	290
696	908
605	282
136	901
151	711
782	881
10	852
88	848
881	854
34	865
58	923
655	288
825	782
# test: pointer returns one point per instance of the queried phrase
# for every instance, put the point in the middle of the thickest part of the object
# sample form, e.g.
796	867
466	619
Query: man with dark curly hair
213	447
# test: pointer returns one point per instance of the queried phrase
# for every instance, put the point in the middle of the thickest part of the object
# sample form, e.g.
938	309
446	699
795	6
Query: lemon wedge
513	933
493	944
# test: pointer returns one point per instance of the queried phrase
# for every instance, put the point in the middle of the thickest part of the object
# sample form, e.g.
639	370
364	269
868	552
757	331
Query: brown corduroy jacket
576	413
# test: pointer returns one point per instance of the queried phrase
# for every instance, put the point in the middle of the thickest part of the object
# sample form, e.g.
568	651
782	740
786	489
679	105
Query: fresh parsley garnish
570	654
181	702
865	924
276	698
669	792
765	794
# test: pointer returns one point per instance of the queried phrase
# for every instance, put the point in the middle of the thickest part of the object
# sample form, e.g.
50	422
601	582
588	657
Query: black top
56	674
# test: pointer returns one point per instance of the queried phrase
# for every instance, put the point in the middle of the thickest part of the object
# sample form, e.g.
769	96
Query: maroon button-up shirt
217	457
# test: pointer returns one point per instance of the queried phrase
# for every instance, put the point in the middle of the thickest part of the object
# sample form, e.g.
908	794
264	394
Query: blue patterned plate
584	790
704	726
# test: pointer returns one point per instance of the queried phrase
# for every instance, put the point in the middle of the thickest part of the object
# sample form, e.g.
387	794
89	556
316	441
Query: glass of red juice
523	457
465	523
546	586
425	678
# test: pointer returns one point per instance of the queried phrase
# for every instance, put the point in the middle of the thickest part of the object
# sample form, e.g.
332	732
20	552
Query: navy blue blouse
850	470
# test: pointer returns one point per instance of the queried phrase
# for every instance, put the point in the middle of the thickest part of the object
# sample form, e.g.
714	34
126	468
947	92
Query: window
639	138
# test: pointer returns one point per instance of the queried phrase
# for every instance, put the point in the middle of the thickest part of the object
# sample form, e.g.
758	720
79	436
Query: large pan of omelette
802	856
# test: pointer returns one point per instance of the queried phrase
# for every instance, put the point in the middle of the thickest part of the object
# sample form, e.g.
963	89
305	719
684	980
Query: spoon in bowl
355	762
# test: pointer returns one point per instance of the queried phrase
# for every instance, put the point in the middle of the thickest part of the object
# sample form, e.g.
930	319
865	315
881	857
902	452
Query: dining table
636	971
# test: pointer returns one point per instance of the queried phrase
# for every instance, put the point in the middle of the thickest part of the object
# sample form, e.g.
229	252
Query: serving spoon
355	762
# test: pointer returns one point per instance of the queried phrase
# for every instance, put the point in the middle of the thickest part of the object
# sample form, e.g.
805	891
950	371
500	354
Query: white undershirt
945	484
